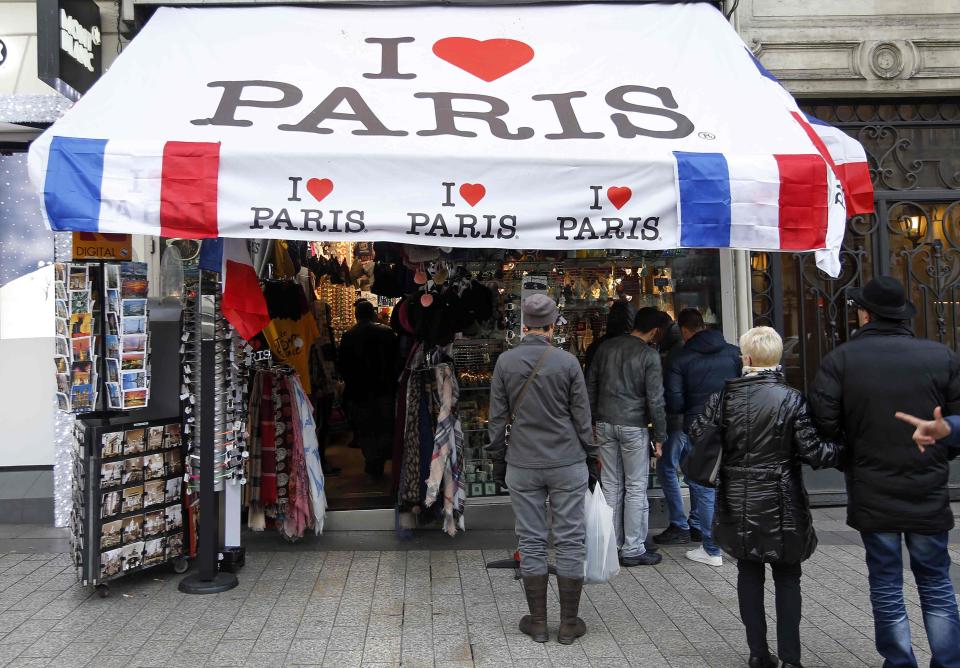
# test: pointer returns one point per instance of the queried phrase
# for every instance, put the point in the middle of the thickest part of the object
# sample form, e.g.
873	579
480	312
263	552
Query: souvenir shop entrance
374	385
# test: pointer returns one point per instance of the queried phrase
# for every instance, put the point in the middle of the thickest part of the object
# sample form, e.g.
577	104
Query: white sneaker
700	555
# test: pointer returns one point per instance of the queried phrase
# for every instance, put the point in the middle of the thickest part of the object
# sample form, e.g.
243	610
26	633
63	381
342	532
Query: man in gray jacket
542	446
625	384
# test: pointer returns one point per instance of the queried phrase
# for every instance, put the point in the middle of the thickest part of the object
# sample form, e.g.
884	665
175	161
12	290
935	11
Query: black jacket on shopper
369	361
696	371
762	511
891	485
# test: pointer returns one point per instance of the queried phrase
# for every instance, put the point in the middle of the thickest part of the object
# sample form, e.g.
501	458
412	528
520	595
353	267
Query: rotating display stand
128	511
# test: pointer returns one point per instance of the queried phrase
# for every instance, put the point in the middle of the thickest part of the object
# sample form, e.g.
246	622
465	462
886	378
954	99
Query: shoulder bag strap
526	385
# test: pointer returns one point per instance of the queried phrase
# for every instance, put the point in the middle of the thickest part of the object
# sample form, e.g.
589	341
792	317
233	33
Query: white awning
588	126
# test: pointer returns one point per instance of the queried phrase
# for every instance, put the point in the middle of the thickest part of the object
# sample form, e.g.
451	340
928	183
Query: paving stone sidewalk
421	608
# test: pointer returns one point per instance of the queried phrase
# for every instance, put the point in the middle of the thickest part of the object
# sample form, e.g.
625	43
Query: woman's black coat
762	511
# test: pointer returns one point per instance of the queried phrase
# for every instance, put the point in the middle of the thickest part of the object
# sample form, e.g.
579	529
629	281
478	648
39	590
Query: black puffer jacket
762	511
891	485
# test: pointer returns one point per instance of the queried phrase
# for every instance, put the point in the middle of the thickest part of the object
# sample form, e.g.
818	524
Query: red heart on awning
472	193
319	188
488	60
619	195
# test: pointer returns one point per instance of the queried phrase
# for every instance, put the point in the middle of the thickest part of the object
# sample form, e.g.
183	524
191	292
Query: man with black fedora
896	492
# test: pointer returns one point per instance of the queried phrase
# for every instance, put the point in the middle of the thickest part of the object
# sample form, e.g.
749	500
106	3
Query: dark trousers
323	409
786	579
373	421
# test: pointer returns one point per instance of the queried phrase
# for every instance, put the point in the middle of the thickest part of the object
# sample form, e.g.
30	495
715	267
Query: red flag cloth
243	303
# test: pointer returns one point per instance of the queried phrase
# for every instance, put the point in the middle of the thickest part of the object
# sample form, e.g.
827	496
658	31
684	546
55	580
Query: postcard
132	471
113	370
63	348
133	361
134	325
61	363
155	438
134	343
63	383
110	534
112	445
154	493
154	523
113	347
61	326
78	277
132	499
134	380
135	440
113	301
132	556
81	324
134	308
153	467
80	349
132	529
113	323
135	399
82	398
81	373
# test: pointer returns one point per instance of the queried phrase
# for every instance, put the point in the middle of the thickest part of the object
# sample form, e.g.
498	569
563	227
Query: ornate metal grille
913	148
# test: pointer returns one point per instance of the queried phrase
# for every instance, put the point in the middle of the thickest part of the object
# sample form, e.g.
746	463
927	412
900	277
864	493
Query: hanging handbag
701	464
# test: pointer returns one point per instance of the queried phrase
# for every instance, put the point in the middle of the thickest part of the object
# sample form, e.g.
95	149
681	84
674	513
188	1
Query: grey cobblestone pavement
421	608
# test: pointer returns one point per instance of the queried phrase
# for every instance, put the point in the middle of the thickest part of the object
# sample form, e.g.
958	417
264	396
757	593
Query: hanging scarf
408	497
284	441
306	430
297	515
447	452
255	516
268	447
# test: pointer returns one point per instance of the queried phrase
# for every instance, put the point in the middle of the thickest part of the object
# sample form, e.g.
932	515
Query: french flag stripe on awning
188	196
704	183
71	191
776	202
162	188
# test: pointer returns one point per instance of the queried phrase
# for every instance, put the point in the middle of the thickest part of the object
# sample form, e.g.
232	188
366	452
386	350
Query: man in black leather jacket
694	372
895	492
625	384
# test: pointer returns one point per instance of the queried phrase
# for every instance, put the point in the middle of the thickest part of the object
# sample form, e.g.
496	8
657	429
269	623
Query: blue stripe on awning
71	190
704	181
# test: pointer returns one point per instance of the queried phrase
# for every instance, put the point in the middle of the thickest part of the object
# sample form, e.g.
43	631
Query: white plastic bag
601	562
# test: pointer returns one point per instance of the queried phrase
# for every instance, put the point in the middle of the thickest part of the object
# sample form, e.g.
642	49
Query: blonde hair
762	345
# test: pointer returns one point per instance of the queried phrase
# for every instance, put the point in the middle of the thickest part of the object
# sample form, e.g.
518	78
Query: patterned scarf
297	517
447	452
252	488
408	497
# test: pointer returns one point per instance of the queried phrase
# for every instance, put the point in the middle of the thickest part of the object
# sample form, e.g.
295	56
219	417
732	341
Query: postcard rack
128	511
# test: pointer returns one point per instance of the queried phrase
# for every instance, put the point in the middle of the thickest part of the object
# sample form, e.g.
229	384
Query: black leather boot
791	665
766	661
535	624
571	626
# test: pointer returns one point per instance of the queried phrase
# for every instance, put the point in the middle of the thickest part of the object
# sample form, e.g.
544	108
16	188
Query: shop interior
439	309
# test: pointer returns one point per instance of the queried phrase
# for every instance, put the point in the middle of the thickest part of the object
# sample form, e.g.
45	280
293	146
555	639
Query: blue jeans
930	563
702	500
668	470
624	472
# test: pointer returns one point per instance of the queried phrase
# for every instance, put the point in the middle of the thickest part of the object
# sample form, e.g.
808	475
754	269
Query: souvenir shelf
127	491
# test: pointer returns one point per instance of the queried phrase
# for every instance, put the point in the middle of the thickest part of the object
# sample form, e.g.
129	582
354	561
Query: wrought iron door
913	148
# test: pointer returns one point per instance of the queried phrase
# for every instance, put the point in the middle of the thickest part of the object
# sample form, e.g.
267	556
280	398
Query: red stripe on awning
803	201
188	190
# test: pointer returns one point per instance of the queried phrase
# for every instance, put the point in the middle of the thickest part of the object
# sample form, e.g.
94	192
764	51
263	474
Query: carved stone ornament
886	60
